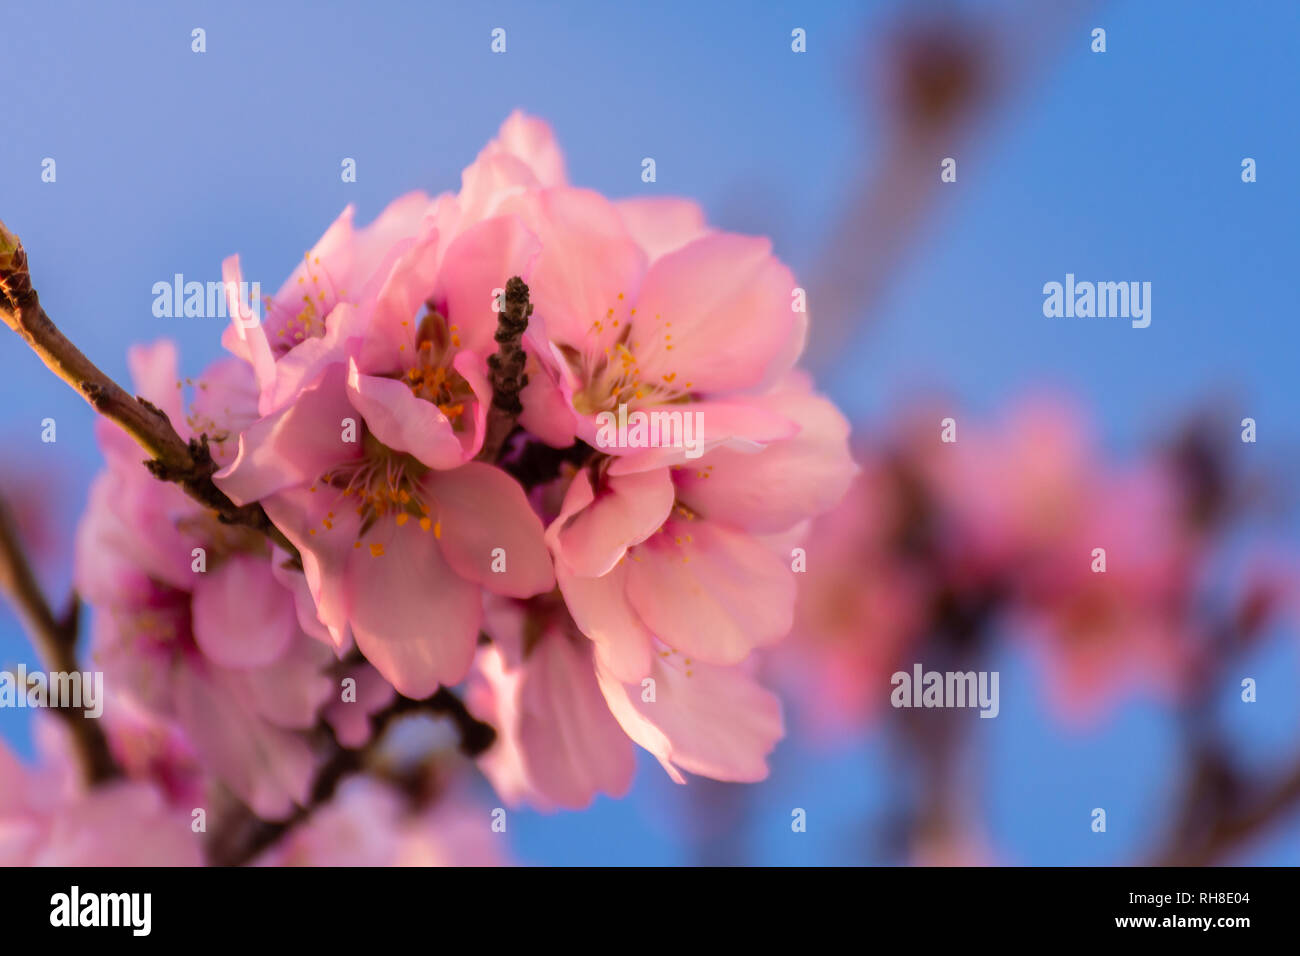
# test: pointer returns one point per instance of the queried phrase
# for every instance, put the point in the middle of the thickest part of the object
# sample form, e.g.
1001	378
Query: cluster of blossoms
1021	528
589	597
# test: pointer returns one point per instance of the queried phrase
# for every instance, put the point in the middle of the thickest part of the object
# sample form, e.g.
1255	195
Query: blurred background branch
55	639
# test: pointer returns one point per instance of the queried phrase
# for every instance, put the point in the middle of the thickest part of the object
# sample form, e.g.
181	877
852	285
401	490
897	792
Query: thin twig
1221	807
241	838
172	458
1234	827
55	638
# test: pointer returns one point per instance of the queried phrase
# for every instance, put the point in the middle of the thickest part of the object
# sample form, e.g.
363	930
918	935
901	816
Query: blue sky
1123	165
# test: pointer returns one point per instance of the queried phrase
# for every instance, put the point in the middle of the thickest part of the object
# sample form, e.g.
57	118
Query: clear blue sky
1115	166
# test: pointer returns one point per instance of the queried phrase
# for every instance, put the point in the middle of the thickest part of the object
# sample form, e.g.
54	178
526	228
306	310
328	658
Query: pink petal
662	225
600	609
351	719
414	618
587	261
242	616
716	595
290	691
295	581
268	768
744	425
479	261
392	327
225	403
110	542
154	371
305	362
729	302
489	183
402	421
117	824
625	511
295	445
573	748
785	483
547	416
532	140
482	509
713	721
473	369
492	696
301	514
242	338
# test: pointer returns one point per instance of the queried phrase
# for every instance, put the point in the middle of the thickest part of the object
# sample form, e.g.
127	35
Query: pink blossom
1104	631
357	292
423	524
191	621
388	543
557	743
1009	489
860	607
1005	521
48	818
713	721
153	749
694	329
347	265
1026	503
677	573
682	554
367	824
566	724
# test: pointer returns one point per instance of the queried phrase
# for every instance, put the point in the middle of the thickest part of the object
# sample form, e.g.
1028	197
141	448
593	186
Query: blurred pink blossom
49	818
367	824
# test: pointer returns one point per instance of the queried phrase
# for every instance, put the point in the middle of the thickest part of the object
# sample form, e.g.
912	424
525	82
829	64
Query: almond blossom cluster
1020	527
588	596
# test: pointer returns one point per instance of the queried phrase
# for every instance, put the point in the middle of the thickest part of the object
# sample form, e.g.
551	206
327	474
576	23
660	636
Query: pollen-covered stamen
674	535
668	653
379	485
431	376
615	373
302	315
218	433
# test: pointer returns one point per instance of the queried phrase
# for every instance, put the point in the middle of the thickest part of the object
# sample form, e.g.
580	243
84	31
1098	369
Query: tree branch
55	639
507	369
1233	826
242	838
188	464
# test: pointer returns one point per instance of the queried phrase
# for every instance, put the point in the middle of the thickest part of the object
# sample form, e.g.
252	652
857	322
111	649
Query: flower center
431	376
628	368
380	483
302	315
